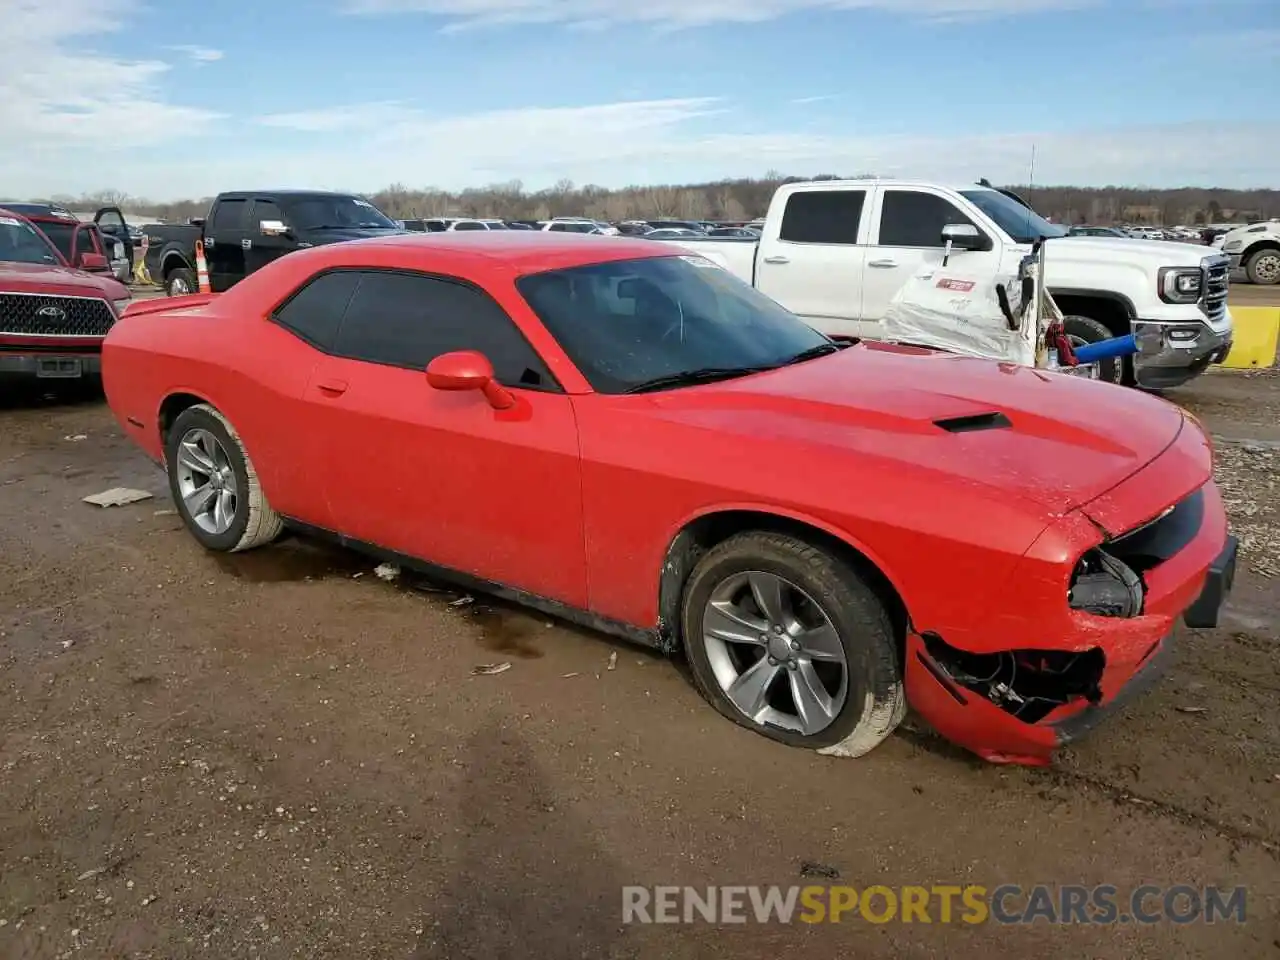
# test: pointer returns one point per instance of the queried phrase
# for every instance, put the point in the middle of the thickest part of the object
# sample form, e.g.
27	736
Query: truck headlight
1180	284
119	305
1233	245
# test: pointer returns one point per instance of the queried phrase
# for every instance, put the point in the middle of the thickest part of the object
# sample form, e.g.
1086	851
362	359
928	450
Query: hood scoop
974	422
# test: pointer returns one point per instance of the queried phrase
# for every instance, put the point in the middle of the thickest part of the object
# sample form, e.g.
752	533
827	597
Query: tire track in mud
1102	788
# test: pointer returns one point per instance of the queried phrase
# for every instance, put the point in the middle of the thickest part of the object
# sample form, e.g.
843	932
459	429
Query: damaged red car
614	431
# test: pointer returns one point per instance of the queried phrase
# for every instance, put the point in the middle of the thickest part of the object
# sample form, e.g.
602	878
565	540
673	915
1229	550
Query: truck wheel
788	641
180	283
1264	267
214	484
1081	330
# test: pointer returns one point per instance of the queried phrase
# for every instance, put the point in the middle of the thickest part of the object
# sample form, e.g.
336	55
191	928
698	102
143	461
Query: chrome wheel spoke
726	621
199	500
813	703
750	692
821	643
193	458
224	509
769	597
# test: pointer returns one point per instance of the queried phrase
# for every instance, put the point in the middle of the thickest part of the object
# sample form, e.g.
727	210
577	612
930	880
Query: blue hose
1106	349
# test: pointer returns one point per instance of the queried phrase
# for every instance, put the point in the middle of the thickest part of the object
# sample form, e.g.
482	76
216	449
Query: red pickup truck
53	314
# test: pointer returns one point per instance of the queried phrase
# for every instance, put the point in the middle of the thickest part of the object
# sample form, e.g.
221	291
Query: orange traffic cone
202	269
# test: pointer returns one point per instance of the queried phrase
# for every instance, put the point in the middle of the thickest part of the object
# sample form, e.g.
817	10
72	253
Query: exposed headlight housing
1105	587
119	305
1180	284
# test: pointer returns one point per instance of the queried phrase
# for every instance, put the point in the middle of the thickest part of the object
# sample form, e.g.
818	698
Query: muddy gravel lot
278	754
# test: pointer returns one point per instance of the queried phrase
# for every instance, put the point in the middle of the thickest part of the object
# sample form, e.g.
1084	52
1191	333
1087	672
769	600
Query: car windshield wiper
821	350
691	377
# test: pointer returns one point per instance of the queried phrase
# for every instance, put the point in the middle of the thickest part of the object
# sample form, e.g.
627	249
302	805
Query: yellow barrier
1254	344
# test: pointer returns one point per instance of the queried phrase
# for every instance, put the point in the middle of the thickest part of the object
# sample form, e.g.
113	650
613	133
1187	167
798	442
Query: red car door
444	476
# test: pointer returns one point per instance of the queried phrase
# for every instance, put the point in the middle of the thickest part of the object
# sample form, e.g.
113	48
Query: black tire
1263	267
876	701
184	276
255	523
1111	370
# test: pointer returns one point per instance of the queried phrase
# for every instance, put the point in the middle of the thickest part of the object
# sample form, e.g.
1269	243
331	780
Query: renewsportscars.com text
968	904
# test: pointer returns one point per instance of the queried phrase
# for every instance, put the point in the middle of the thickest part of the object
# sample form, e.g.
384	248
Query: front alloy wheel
775	653
789	640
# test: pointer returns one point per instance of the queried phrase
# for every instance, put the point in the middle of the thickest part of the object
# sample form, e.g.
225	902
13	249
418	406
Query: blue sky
361	93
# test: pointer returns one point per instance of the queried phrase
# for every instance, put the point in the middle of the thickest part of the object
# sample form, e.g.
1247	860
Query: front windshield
629	322
324	212
1021	223
22	243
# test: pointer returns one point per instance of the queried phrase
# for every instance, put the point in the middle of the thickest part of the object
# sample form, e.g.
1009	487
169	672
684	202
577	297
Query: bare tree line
745	199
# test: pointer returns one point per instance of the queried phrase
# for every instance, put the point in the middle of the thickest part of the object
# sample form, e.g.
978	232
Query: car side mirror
273	228
469	370
92	261
963	236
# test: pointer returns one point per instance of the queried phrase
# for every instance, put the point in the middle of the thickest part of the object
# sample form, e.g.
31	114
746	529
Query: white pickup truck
1255	252
836	252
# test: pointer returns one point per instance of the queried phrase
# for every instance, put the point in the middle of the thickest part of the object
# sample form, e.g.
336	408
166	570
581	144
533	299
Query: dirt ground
278	755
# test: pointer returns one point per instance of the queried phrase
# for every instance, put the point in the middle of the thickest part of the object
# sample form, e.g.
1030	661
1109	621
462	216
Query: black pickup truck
247	229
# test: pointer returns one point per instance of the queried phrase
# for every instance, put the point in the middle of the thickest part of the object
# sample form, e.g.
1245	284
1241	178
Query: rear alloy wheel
214	484
1082	330
1264	267
787	640
180	283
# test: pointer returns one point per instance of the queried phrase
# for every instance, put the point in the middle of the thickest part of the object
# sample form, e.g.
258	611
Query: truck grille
1214	301
38	315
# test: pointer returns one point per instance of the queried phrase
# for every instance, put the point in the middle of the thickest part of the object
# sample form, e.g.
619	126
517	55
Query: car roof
525	251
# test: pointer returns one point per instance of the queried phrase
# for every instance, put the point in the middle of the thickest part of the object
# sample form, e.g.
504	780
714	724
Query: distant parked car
674	233
634	228
693	225
735	233
578	225
1097	232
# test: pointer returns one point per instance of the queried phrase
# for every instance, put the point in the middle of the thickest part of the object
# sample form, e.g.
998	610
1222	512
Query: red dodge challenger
617	432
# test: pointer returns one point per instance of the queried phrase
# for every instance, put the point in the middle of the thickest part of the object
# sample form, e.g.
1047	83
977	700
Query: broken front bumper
1171	354
1192	586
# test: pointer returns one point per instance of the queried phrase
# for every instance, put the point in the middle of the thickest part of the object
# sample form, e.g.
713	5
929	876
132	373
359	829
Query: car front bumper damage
1020	705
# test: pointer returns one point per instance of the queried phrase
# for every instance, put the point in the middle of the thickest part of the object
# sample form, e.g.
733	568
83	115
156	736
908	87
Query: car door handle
777	259
246	243
332	388
883	263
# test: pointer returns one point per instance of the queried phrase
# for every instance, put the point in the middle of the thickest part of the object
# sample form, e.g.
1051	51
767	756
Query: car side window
314	312
407	320
229	215
84	241
909	218
266	210
823	216
470	225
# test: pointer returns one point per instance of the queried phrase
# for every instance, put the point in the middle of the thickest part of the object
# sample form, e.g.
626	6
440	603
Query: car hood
59	280
1167	252
1053	439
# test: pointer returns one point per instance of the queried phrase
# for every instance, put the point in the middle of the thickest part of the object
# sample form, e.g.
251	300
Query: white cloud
57	100
466	14
198	55
821	98
366	147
